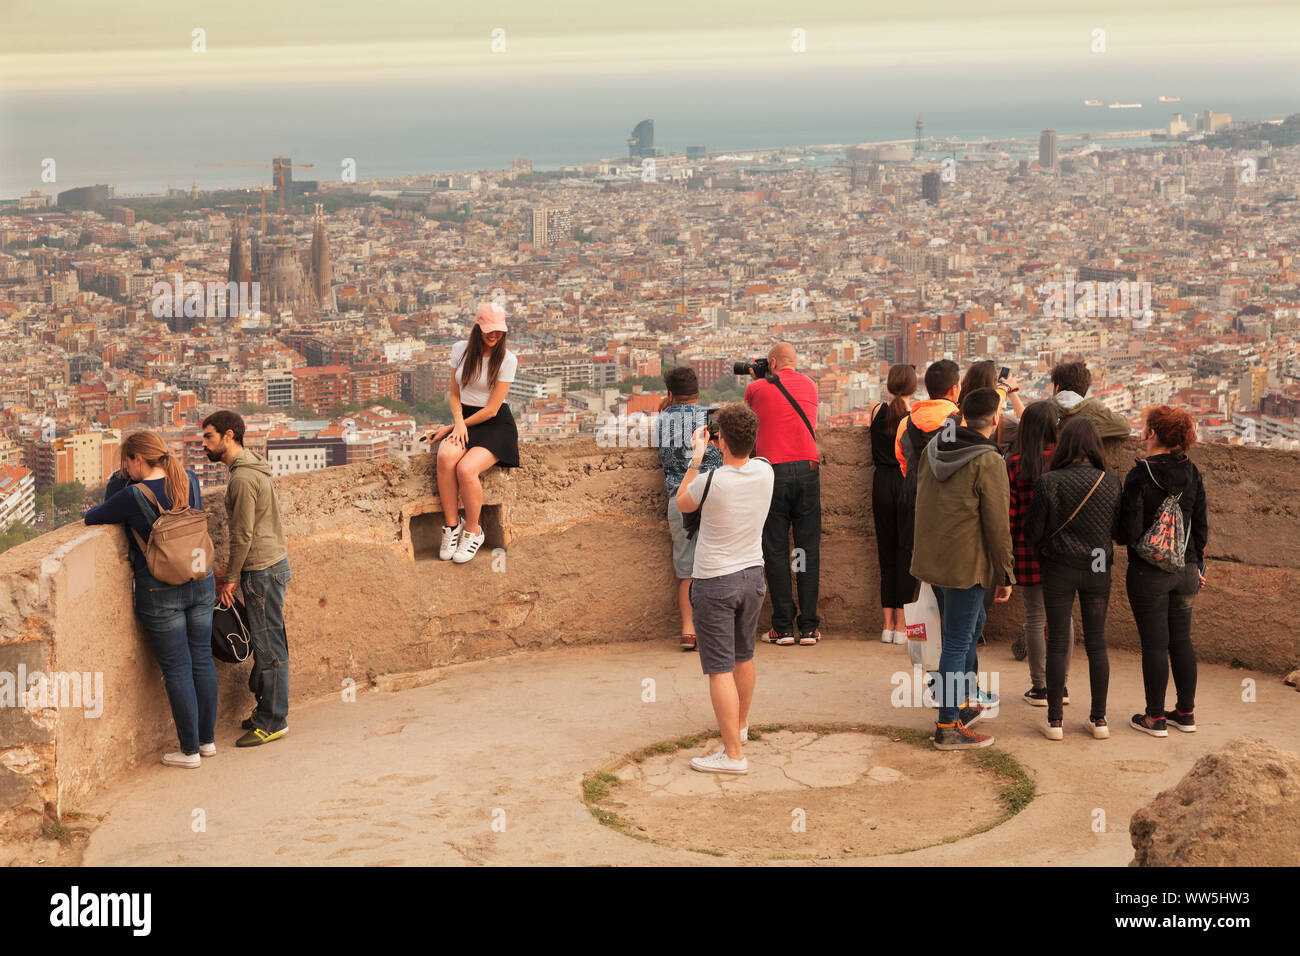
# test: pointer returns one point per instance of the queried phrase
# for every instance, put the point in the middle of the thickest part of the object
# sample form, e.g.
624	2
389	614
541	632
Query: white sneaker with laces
178	759
720	763
886	637
450	539
744	736
900	637
207	750
469	545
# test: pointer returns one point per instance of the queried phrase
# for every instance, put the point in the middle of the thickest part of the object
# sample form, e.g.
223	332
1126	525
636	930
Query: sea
143	142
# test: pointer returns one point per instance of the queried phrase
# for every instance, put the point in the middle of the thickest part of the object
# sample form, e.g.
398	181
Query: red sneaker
687	642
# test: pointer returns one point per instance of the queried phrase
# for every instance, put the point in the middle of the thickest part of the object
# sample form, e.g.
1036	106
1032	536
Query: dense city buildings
1170	269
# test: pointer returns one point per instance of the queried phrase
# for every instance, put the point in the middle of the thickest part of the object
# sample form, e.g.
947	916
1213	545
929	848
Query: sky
67	45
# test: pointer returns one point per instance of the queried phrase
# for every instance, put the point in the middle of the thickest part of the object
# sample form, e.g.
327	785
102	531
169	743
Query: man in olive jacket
1070	384
962	547
259	565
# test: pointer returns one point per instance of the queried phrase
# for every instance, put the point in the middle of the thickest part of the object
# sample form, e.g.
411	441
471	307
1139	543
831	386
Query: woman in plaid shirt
1028	459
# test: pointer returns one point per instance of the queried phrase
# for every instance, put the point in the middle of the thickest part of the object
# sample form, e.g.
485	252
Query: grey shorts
683	547
726	612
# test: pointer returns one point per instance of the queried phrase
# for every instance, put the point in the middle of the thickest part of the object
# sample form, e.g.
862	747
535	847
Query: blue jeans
962	611
178	620
269	679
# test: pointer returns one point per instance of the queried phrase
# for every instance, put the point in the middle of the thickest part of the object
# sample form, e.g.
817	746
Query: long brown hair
901	383
980	375
154	451
473	357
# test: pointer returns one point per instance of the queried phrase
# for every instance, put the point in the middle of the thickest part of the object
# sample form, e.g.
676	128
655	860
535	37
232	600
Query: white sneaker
178	759
1101	733
450	539
886	637
468	546
900	637
720	763
744	736
207	750
1052	733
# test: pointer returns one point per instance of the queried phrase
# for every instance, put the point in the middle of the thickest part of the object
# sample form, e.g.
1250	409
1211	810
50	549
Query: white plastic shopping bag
924	634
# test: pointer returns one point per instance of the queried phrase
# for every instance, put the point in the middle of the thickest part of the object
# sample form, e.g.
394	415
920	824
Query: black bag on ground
230	640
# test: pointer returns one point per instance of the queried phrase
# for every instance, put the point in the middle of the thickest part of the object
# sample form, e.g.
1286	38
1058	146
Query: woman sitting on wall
482	434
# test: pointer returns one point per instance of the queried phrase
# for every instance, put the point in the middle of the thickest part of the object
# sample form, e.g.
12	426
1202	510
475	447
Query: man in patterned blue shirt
680	415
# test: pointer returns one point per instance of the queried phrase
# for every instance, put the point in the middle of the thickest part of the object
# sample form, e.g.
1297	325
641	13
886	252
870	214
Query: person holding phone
985	374
482	435
727	579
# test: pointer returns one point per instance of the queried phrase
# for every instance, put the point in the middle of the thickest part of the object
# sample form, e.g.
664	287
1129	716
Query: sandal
687	642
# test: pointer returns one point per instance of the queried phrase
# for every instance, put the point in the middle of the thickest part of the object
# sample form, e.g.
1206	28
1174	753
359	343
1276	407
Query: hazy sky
62	45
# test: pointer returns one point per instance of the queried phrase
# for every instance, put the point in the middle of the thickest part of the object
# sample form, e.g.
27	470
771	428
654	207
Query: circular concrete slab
810	793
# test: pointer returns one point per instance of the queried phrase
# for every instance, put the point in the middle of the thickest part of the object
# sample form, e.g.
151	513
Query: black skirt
498	435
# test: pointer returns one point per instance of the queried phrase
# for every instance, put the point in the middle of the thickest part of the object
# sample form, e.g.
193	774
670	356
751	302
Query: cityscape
606	436
615	270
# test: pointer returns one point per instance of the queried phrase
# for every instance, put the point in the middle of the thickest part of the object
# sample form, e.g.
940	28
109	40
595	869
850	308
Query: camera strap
776	380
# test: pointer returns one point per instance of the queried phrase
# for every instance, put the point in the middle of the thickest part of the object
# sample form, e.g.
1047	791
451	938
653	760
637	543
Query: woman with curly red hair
1162	597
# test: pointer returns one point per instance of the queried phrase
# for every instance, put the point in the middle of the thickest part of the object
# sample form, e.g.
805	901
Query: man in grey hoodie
962	548
1070	383
259	565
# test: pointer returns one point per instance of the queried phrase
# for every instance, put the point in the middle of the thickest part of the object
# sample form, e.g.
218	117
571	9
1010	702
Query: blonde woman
177	618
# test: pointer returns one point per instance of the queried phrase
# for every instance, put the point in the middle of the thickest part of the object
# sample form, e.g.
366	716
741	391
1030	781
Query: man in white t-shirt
727	584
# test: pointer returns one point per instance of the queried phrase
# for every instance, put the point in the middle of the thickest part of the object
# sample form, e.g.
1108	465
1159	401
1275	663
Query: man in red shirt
789	444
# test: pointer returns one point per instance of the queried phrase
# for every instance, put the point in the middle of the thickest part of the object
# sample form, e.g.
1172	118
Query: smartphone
1004	372
711	420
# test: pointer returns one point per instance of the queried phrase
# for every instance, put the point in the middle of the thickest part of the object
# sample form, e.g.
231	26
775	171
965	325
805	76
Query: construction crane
279	186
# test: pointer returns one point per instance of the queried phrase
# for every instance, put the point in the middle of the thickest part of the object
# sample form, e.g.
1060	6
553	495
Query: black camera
759	368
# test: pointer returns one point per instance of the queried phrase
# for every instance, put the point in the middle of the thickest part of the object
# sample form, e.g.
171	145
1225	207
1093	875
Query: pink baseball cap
491	318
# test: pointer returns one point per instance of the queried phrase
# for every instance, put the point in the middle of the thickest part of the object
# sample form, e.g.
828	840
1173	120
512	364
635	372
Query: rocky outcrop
1239	806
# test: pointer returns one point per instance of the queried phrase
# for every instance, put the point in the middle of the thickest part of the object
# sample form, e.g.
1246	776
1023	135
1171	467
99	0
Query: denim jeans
269	679
1060	584
797	502
178	620
962	611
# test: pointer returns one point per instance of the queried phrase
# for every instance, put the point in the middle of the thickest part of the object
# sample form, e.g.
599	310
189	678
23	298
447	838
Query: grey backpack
1159	544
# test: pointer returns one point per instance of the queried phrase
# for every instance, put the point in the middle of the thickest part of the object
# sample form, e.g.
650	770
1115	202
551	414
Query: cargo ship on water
1124	106
1171	99
1092	102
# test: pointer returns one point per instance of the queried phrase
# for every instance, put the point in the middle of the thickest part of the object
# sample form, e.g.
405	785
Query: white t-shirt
477	392
730	538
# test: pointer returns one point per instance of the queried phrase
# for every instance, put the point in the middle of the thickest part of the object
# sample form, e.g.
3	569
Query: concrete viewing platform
487	693
485	765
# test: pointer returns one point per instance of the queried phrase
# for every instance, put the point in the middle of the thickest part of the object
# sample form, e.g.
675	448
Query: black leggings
1162	609
897	586
1060	584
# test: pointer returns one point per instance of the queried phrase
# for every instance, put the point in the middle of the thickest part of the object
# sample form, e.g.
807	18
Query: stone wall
577	552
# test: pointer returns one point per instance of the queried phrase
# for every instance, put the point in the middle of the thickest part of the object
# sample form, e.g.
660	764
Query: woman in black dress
483	433
897	586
